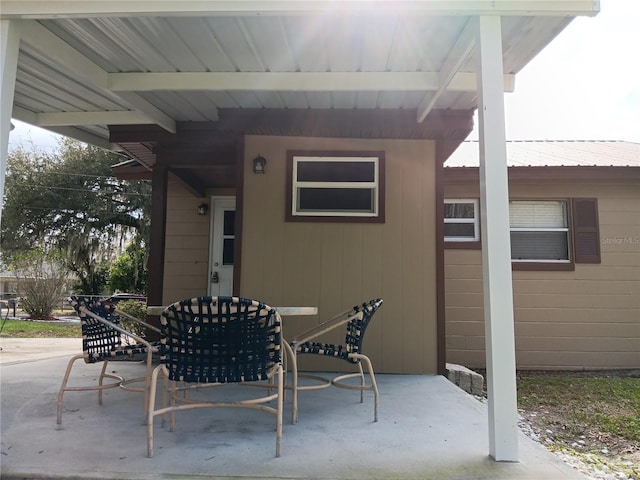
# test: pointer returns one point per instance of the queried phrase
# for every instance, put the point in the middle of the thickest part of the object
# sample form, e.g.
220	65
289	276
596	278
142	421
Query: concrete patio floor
428	429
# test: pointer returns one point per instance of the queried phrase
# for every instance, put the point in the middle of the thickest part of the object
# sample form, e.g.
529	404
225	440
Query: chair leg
101	379
362	382
173	391
147	386
294	388
291	354
280	401
151	410
374	386
63	387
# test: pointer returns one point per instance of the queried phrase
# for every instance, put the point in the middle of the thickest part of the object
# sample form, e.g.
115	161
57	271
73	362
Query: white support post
9	45
496	248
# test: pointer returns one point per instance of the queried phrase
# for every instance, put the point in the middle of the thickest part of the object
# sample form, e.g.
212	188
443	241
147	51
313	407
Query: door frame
215	201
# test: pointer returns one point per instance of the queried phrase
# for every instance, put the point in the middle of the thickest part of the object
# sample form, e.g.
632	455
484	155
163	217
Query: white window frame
475	221
566	229
374	186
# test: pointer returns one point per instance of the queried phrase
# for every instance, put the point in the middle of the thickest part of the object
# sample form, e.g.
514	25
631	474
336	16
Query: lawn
36	328
594	416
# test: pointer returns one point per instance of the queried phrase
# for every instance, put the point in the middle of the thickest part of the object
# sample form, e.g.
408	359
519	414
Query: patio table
283	311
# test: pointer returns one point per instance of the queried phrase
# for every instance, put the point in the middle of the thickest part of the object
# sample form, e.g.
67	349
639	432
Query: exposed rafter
78	65
68	131
56	119
455	59
296	81
77	8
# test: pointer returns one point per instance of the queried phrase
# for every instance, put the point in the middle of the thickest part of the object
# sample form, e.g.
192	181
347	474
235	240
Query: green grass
30	329
609	403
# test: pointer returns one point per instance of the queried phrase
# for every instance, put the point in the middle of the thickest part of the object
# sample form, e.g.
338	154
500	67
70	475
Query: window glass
228	235
227	251
539	246
332	171
539	231
335	199
229	222
461	220
459	210
335	186
538	214
459	230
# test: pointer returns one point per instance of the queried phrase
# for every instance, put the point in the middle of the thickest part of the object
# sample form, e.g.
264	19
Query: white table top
284	311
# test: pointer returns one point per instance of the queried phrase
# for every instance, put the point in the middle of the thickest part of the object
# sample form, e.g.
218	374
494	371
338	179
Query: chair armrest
334	322
100	319
137	320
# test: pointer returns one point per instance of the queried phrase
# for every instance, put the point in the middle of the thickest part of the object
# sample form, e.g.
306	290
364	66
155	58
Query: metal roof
555	153
85	65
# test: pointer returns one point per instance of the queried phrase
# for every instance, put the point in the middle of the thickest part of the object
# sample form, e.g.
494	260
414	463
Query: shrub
137	309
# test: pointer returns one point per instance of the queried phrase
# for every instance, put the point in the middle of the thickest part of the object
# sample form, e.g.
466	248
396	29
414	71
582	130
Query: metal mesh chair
356	319
102	341
218	340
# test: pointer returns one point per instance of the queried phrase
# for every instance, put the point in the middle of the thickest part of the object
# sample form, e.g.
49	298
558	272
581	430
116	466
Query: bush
137	309
41	282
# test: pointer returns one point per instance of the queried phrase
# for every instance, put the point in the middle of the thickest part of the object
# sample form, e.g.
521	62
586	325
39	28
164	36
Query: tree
70	202
129	273
41	282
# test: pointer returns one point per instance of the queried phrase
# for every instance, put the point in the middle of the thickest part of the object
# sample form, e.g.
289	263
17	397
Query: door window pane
229	222
227	251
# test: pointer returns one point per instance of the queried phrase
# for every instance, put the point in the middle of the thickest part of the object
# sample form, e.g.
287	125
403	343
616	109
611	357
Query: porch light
203	208
259	165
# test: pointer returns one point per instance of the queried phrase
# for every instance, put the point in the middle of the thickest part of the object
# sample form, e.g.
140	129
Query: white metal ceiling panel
96	44
204	43
271	100
294	43
305	41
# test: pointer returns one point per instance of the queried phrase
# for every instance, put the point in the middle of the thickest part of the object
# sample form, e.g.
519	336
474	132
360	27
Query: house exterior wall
587	318
187	245
336	265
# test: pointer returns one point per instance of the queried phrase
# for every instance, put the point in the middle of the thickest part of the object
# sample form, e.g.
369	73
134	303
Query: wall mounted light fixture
203	208
259	165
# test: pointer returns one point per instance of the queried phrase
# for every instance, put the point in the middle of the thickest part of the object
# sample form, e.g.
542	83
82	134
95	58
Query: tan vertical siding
587	318
187	246
336	265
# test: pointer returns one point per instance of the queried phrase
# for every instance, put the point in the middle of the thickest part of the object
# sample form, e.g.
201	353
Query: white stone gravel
591	471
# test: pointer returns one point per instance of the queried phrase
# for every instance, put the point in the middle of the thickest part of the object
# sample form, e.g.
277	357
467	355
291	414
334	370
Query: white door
222	246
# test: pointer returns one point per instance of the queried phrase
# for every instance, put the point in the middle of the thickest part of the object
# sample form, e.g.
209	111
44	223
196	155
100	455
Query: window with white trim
461	220
539	231
336	186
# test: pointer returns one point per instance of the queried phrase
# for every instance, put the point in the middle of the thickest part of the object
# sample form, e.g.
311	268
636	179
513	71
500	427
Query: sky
585	85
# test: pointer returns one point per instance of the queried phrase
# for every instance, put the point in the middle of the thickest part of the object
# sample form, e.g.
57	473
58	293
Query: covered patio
428	429
194	90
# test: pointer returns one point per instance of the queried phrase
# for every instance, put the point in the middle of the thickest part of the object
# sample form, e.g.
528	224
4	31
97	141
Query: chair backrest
357	326
98	339
220	339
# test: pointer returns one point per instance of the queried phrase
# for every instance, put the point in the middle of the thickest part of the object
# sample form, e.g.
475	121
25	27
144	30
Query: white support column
496	248
9	45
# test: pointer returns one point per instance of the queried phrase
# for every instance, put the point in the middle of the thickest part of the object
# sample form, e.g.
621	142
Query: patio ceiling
83	66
